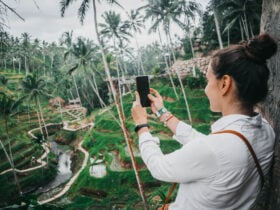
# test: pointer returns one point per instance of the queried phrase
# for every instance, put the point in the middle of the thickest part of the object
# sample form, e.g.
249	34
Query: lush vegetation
33	71
120	187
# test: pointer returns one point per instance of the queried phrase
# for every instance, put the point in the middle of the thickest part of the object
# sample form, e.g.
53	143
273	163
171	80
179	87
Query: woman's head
245	63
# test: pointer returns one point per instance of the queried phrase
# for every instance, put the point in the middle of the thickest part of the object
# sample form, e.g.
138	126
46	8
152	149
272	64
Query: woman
217	171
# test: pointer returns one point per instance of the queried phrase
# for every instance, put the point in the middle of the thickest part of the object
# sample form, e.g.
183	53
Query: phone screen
143	88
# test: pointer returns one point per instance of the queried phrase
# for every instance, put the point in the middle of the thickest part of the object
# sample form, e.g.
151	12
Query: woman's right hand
156	100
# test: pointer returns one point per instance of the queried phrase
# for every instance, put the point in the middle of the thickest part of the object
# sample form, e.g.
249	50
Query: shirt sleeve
185	133
194	161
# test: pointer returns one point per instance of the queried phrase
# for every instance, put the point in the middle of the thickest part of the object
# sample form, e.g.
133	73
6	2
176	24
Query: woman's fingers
155	92
151	97
137	97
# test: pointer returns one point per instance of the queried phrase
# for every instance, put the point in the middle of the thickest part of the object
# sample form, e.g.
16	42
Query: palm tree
163	13
17	52
242	12
82	12
213	5
35	87
189	9
7	107
167	65
66	40
83	53
135	23
115	29
26	49
4	46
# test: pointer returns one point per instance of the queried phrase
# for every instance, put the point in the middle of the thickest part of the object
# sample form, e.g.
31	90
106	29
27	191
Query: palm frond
63	6
82	10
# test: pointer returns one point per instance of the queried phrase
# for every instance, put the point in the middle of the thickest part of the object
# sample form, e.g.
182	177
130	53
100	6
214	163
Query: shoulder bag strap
249	148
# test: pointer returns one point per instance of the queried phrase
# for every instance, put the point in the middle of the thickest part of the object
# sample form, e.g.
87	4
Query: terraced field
119	186
25	150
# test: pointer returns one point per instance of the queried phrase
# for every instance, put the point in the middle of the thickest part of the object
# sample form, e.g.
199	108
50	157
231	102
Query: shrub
196	82
70	135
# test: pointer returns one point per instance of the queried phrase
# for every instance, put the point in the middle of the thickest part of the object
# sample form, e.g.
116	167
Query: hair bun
262	47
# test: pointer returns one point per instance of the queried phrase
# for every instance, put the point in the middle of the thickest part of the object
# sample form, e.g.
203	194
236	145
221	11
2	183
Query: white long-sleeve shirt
214	171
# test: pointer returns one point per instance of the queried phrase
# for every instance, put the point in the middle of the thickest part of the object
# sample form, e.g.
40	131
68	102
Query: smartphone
143	88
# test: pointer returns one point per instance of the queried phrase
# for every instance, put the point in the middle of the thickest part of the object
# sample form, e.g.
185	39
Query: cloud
46	23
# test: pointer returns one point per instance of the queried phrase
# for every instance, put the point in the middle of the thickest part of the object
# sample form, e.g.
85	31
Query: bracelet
138	127
161	111
167	116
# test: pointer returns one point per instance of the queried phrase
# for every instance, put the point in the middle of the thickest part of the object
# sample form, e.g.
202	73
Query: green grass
106	137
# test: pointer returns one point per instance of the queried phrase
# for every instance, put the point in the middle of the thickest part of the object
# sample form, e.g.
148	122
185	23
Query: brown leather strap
172	188
249	148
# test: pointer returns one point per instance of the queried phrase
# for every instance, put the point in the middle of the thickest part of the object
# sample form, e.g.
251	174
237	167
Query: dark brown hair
246	64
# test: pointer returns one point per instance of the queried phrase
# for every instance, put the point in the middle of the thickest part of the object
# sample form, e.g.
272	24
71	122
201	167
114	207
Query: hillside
118	187
108	179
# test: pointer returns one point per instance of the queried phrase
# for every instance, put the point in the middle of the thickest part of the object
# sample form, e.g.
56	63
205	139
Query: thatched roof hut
56	102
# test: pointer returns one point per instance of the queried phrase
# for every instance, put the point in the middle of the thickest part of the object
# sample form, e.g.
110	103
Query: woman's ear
226	84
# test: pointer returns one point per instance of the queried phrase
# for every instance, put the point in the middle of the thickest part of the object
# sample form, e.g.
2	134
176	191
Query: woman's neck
237	108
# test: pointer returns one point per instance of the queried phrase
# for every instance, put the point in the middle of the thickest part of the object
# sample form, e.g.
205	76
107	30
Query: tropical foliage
94	73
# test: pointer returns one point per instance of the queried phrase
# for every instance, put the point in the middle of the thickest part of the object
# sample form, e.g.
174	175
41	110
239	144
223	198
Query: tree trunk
26	67
218	29
245	28
42	117
102	103
120	113
40	125
19	65
168	68
228	37
270	19
179	77
76	87
119	85
11	158
139	55
241	30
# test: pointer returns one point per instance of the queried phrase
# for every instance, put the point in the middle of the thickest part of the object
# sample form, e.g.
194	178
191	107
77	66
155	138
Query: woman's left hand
138	112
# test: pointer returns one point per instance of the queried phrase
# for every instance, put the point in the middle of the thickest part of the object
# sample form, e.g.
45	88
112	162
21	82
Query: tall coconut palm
163	13
114	29
136	23
153	10
7	107
82	56
35	87
213	5
4	46
17	53
189	9
67	41
26	45
167	65
82	12
241	12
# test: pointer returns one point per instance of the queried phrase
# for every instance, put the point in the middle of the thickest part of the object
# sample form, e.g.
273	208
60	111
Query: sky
43	20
